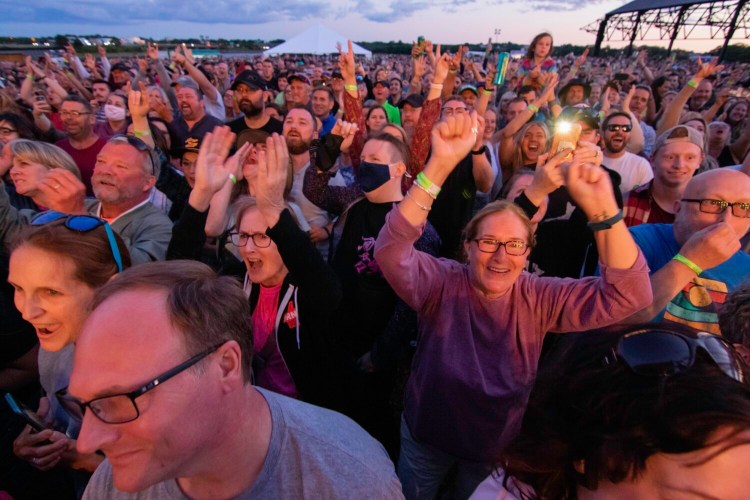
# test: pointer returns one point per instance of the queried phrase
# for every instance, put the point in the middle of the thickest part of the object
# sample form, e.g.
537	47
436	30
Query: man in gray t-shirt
208	433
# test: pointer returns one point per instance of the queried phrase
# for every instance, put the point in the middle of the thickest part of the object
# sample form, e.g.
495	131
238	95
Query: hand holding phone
43	448
25	413
566	136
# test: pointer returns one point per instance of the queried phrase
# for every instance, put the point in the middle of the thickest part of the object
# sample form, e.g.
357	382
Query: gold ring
57	186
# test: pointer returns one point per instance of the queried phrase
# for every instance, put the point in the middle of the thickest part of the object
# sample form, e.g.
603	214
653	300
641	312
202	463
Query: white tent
317	40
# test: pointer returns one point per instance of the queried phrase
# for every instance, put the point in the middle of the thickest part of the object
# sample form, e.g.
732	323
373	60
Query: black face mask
373	175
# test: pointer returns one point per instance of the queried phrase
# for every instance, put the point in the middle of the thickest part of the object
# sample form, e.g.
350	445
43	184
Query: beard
297	145
615	148
250	109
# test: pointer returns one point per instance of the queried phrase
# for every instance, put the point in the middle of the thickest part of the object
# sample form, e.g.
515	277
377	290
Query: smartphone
566	136
28	415
621	76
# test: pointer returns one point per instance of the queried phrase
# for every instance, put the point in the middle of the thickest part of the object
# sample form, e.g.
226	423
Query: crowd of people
397	277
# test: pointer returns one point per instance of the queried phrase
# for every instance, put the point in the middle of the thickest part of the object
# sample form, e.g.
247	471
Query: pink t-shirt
273	374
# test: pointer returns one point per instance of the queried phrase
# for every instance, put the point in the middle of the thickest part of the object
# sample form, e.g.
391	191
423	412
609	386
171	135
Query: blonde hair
518	153
472	227
45	154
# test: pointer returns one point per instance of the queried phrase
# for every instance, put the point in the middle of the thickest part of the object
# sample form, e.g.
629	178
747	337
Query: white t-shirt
633	169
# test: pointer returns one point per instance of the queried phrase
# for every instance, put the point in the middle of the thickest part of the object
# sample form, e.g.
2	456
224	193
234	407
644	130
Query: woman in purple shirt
482	323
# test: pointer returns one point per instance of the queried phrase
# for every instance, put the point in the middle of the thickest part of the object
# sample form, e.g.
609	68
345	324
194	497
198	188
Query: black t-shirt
272	125
369	300
452	209
179	131
725	158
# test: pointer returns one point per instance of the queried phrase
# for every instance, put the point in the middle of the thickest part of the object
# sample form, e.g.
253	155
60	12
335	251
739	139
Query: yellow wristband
692	265
353	88
532	108
692	83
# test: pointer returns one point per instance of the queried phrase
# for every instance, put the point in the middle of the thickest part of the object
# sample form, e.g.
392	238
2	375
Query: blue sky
365	20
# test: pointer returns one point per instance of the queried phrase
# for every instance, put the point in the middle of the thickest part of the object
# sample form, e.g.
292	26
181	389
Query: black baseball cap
250	78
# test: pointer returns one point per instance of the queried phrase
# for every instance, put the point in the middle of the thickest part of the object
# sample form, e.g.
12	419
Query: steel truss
695	21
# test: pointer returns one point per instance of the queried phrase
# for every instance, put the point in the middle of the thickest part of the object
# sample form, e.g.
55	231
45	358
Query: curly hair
734	316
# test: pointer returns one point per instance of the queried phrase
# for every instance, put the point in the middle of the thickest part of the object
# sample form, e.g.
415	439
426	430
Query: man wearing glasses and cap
697	261
162	381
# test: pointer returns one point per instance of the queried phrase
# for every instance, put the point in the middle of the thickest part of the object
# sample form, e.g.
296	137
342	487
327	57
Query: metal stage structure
673	19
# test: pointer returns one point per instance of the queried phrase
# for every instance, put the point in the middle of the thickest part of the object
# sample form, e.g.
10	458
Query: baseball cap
186	81
297	76
120	67
384	83
251	135
680	133
191	145
336	74
413	100
581	113
250	78
470	88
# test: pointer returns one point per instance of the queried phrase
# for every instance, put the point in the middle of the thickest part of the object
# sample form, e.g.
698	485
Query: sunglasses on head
662	353
82	224
137	144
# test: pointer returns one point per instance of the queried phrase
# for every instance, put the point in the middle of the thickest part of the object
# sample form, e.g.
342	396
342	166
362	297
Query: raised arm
353	112
673	112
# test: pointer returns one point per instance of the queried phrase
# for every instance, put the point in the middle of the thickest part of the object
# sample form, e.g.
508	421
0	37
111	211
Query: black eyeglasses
121	408
7	131
616	128
82	224
137	144
240	239
664	353
708	206
512	247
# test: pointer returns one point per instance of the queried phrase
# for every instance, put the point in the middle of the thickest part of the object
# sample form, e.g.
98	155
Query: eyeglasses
453	111
739	208
6	132
616	128
512	247
82	224
665	353
74	114
137	144
260	240
121	408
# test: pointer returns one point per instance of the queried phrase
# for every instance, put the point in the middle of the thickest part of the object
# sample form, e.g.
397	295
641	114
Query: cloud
117	12
550	5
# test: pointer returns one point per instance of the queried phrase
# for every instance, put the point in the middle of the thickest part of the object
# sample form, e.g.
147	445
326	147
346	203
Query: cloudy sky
448	21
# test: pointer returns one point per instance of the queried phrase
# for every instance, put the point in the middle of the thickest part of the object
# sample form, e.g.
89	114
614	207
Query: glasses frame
6	131
137	144
723	205
503	244
70	223
69	403
618	353
252	236
75	114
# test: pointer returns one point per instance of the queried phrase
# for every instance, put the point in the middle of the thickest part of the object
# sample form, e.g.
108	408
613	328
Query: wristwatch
606	223
479	151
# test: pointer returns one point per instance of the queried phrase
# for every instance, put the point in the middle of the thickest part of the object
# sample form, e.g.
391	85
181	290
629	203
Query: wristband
692	265
353	88
29	76
138	133
436	86
488	92
532	108
426	209
427	184
479	151
606	223
233	178
694	84
423	189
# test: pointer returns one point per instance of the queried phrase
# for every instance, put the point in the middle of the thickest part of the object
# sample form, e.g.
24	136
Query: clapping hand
212	169
273	171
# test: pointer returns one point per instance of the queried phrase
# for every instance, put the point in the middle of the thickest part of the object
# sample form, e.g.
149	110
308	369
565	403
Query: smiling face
738	113
264	265
120	176
493	274
616	141
170	435
191	105
675	163
533	143
48	295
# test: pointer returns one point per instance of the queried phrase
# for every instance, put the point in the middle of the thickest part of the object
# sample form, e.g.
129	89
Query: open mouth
498	270
254	264
46	330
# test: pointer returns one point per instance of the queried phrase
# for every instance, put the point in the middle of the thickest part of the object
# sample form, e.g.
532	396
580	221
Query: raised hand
346	130
707	69
102	50
712	245
628	98
138	102
188	53
581	60
452	139
420	66
589	185
442	67
347	64
273	171
177	55
428	48
548	176
89	61
152	51
142	64
212	170
63	191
